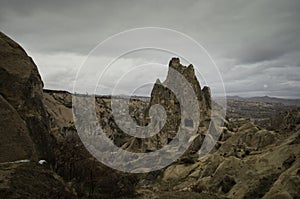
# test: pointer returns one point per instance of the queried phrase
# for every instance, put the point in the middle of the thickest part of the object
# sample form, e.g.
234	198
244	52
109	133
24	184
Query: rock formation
162	95
21	90
24	129
248	161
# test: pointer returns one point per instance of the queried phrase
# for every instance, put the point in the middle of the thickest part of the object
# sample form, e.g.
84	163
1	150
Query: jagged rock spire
158	81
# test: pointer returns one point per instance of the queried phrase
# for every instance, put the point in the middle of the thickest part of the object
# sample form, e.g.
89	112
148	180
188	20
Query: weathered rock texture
24	130
21	89
247	162
16	143
162	94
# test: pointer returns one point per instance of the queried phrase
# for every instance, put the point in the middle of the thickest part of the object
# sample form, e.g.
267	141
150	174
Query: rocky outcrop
24	130
21	86
162	94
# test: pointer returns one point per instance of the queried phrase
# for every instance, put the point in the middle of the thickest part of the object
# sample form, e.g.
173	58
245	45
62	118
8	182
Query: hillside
42	155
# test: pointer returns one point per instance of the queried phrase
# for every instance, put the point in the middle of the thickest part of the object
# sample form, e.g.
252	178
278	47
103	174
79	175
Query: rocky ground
43	157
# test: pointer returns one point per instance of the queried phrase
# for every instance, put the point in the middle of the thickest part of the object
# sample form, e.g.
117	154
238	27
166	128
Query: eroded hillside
248	161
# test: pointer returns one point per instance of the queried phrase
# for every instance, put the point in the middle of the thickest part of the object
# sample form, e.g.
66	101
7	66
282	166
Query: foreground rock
16	143
24	130
21	89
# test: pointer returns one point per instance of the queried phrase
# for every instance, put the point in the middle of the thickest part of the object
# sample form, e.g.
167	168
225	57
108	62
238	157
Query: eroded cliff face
161	94
178	116
24	130
16	143
21	90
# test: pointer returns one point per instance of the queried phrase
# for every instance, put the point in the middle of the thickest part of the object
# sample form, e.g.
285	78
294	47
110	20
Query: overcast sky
255	44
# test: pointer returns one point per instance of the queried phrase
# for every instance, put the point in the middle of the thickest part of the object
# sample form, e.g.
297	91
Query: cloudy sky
255	44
